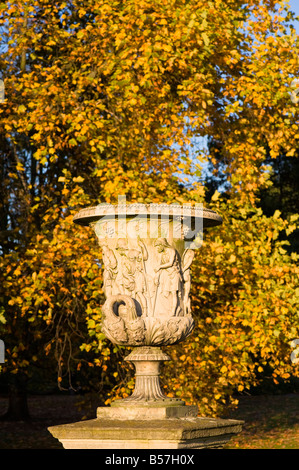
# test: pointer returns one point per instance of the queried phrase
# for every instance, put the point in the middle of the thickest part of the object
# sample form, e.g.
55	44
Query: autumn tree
102	99
250	300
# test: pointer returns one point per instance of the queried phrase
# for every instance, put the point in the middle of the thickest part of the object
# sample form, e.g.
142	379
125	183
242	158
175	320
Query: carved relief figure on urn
110	269
120	282
168	278
135	275
187	259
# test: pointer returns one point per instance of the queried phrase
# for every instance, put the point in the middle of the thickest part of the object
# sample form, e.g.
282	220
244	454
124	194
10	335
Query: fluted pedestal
147	361
147	399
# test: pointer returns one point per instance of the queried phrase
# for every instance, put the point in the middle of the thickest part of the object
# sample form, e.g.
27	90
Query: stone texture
147	250
147	390
149	411
171	433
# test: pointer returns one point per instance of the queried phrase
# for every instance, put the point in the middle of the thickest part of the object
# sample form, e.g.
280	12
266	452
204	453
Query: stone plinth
160	410
167	433
152	424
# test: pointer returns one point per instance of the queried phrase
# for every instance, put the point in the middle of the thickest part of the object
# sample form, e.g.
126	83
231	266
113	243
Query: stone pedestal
147	419
164	433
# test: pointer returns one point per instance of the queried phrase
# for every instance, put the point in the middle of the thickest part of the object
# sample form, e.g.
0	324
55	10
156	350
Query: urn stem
147	361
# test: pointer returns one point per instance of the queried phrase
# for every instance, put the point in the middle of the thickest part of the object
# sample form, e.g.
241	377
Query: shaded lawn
271	421
45	411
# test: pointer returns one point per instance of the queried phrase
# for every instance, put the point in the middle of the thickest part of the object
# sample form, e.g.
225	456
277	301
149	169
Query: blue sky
294	4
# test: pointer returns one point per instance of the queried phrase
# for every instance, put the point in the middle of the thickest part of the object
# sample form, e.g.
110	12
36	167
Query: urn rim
91	214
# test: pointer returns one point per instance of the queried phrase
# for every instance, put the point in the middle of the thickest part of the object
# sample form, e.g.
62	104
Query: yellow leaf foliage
104	100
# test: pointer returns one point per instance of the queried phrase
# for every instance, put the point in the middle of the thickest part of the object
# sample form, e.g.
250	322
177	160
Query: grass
271	421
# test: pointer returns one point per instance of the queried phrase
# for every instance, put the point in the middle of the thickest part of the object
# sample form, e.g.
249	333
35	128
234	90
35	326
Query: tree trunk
17	395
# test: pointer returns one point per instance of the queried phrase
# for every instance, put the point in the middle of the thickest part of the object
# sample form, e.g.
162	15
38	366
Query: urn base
171	433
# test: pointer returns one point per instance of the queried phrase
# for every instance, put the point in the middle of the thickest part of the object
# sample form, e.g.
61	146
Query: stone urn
147	253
